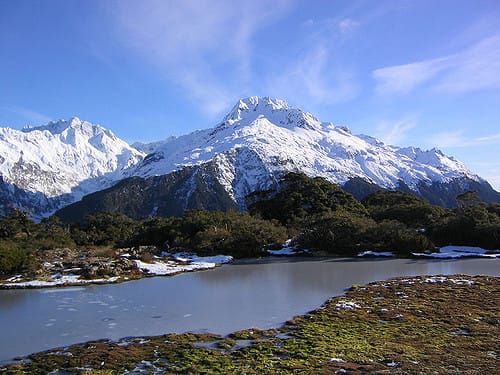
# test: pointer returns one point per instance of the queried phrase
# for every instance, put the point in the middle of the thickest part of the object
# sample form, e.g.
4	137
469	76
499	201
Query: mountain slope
47	167
166	195
261	139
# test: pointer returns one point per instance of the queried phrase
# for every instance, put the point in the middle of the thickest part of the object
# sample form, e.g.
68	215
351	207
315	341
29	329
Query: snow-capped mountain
44	168
263	138
258	141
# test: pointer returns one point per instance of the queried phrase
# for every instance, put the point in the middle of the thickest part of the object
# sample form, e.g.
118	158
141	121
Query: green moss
447	326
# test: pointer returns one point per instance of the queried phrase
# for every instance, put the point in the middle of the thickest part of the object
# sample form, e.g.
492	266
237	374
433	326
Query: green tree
299	199
18	223
105	229
13	257
52	233
404	207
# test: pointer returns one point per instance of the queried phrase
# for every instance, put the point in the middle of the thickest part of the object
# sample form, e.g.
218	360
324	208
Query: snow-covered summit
276	111
47	167
70	130
263	138
251	104
70	158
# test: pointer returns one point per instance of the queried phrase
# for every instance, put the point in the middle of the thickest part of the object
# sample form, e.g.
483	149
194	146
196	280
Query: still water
245	294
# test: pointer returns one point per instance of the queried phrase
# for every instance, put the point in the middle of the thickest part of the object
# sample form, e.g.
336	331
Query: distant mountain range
47	168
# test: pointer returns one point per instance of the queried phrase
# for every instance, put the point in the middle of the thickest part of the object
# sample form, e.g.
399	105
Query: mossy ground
447	325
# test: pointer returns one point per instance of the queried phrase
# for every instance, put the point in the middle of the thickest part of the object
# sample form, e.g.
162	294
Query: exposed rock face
262	139
169	195
259	141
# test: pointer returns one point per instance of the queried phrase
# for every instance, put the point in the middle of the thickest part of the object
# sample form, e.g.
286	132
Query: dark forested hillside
167	195
315	214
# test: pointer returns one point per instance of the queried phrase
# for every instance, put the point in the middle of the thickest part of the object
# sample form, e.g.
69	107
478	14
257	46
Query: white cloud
208	49
29	115
189	40
457	138
472	69
334	27
394	132
402	79
314	78
347	25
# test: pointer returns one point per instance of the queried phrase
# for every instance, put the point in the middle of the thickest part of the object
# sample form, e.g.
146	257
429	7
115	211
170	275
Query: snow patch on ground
337	360
288	249
452	252
160	268
56	280
370	253
443	279
346	305
283	251
175	263
190	257
182	262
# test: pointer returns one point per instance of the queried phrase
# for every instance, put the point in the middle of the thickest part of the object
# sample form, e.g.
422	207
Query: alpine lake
262	293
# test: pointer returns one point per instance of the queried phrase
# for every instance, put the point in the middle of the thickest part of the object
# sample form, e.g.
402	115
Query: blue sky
422	73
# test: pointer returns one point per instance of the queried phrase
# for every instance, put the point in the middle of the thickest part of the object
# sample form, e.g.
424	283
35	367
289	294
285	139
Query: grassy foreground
422	325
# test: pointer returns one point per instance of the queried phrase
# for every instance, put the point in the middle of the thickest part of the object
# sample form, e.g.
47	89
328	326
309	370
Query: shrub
341	234
105	229
475	225
392	235
13	257
404	207
300	198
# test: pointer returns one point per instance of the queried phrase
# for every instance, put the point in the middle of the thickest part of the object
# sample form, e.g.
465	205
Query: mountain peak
251	104
277	111
73	125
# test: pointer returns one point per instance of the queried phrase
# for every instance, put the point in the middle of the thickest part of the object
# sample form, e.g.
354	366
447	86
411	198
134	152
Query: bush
476	225
300	198
341	234
105	229
392	235
209	233
233	233
52	233
13	258
404	207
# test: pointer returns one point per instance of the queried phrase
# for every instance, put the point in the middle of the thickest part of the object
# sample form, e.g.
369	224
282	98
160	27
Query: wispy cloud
190	40
314	78
332	26
347	25
28	115
458	138
402	79
318	75
474	68
394	132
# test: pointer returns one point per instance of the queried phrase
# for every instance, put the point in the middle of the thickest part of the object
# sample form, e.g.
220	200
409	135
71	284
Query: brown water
259	293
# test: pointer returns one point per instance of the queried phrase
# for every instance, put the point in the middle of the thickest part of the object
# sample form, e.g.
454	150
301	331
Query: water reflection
259	293
11	298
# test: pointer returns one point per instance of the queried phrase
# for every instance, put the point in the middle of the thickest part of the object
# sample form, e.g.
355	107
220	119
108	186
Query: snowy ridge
64	158
263	138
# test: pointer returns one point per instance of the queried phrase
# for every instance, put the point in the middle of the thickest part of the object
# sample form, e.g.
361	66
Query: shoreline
164	265
168	264
411	324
